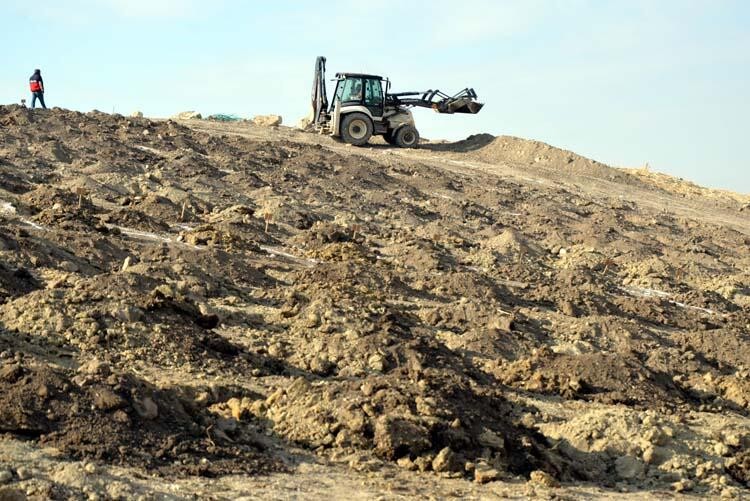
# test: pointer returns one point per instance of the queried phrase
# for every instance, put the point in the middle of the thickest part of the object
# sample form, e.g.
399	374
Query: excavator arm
319	97
462	102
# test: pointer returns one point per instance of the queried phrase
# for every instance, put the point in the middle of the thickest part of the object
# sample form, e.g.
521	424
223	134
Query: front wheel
390	138
407	137
356	129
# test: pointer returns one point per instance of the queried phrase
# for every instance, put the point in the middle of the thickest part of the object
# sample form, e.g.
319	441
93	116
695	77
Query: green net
221	117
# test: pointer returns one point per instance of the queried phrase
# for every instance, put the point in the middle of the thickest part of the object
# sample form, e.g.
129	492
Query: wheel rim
358	128
409	137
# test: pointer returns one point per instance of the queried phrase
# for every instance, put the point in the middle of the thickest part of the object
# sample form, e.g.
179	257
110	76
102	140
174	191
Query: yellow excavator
362	106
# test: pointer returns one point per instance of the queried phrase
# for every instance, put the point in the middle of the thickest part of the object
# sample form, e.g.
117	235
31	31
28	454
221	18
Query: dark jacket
36	83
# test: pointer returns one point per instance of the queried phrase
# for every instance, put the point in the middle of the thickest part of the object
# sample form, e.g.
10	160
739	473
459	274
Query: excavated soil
193	299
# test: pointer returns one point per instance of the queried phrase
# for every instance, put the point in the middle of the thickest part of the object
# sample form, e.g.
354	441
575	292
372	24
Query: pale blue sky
624	82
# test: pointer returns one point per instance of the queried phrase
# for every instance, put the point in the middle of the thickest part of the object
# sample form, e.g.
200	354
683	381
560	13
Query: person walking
37	89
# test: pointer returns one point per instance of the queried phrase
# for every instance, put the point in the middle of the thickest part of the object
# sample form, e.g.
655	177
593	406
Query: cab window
351	90
373	92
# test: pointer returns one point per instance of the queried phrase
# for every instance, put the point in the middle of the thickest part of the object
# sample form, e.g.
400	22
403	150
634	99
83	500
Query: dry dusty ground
212	310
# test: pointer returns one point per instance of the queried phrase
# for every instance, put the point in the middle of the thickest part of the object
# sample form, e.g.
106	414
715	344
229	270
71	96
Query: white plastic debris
7	208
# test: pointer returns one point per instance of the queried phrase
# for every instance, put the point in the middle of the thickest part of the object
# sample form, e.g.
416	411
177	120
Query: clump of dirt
115	417
740	468
322	233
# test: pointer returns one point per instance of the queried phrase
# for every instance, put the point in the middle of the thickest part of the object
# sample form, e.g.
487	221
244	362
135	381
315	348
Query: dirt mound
277	295
514	150
412	423
523	152
513	242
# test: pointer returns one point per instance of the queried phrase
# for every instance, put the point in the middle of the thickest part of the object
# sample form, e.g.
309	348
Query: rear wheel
407	137
356	129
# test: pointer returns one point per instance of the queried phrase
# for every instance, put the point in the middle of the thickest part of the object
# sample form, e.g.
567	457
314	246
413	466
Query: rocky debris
267	120
136	114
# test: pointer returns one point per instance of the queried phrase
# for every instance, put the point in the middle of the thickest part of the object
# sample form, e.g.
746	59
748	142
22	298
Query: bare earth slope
199	309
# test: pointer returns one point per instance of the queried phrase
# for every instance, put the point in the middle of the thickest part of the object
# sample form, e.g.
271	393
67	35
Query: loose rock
446	460
146	408
484	474
544	479
267	120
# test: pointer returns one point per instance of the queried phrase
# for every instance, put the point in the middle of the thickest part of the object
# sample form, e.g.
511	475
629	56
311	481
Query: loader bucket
463	102
465	105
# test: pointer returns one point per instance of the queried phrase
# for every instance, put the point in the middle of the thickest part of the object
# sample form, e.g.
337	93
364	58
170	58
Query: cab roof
358	75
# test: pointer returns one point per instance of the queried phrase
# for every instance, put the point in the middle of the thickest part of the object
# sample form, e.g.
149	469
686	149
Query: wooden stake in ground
182	213
81	192
355	228
607	263
267	217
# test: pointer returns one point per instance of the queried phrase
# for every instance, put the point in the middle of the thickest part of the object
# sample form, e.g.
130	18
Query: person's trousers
35	96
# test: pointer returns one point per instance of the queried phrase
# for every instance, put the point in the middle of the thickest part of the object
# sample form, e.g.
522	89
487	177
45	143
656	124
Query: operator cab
357	89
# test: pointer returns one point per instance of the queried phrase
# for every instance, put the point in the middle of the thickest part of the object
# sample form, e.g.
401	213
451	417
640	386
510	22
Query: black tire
407	137
388	136
356	129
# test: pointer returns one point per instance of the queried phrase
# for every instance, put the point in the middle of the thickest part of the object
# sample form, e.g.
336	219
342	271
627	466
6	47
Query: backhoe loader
362	106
